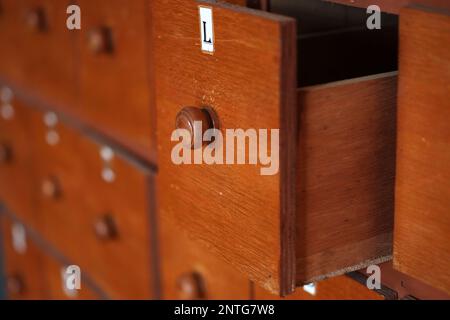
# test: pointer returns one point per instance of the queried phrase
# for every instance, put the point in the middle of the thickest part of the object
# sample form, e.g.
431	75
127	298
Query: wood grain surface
70	220
422	218
182	257
346	162
240	215
115	94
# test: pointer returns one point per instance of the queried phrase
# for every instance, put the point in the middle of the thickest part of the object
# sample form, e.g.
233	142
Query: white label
19	238
206	29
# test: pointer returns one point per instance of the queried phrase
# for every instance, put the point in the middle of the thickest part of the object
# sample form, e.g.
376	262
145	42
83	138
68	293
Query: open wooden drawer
329	207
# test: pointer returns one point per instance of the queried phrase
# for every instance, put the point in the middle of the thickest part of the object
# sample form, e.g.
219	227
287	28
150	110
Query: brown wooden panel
47	50
249	81
422	220
114	72
11	55
338	288
393	6
102	226
346	162
17	183
24	270
191	272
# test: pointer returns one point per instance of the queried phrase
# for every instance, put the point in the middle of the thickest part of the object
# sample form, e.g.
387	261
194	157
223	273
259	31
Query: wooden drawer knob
5	153
100	40
105	228
15	285
35	19
51	188
190	286
189	118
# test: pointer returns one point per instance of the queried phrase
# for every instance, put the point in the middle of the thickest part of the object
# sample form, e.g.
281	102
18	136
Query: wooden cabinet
422	220
202	149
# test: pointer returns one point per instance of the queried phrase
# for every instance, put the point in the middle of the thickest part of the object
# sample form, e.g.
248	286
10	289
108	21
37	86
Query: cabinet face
114	72
93	195
16	175
248	78
422	219
23	263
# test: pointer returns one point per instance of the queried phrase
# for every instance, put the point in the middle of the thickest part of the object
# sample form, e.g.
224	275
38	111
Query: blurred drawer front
32	273
337	288
39	48
422	219
191	273
95	207
114	72
16	174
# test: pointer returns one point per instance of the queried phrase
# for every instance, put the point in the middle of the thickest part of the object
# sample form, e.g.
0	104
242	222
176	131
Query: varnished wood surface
405	285
114	86
26	267
422	219
182	257
17	183
244	217
394	6
40	58
346	161
85	198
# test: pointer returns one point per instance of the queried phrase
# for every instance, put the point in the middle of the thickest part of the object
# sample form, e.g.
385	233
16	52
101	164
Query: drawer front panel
422	220
17	181
114	74
243	216
101	202
191	273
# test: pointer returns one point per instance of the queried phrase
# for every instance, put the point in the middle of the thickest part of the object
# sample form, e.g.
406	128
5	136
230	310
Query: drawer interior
335	44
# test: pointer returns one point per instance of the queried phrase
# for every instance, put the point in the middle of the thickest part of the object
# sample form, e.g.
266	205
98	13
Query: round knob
100	40
35	19
190	286
50	188
105	228
5	153
15	285
196	121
